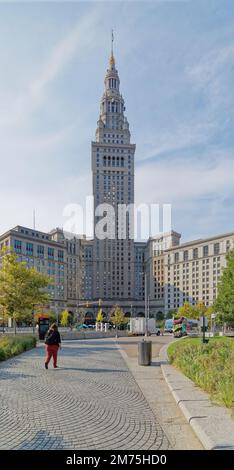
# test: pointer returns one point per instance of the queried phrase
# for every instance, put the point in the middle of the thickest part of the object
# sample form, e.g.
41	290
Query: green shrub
13	345
210	366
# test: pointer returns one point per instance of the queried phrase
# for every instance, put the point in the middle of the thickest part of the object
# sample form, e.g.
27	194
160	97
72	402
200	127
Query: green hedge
210	366
13	345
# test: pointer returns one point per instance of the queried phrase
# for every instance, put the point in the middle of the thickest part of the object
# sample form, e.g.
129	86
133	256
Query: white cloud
184	136
178	181
75	43
211	73
197	189
211	79
211	64
49	202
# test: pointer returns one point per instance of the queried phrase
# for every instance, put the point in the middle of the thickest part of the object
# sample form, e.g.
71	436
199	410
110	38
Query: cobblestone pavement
91	402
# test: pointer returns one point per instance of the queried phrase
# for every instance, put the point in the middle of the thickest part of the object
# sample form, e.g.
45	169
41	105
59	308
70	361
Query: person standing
52	345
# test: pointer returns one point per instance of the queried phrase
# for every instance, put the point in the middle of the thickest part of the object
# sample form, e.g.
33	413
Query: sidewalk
156	391
91	402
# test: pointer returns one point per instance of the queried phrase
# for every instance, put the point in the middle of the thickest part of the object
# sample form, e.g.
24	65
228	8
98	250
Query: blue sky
176	65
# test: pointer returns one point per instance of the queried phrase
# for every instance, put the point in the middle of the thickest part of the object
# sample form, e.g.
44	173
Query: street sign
201	321
213	316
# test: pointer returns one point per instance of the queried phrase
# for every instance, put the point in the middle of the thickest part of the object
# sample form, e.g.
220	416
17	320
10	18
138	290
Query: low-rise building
166	272
38	249
154	268
192	270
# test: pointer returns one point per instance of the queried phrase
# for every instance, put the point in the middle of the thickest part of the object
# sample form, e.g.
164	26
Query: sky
176	66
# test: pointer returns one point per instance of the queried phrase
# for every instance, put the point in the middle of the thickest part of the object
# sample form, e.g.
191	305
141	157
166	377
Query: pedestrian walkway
158	395
91	402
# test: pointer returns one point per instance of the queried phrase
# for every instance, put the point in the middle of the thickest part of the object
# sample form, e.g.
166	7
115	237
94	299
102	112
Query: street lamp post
57	314
33	320
203	329
204	340
146	307
130	319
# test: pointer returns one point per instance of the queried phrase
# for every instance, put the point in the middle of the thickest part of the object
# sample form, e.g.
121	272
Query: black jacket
52	337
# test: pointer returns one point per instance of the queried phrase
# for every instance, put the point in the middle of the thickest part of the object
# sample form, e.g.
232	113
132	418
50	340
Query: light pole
212	320
57	314
33	319
146	307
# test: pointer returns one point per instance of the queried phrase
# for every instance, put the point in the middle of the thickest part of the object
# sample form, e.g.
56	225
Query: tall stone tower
113	183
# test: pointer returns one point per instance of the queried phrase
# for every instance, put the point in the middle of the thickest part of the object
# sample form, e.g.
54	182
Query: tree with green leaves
52	316
187	311
80	316
100	317
160	316
160	320
224	304
171	313
200	310
21	288
209	311
117	317
65	318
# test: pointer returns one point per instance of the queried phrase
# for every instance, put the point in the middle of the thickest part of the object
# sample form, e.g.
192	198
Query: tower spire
112	41
112	59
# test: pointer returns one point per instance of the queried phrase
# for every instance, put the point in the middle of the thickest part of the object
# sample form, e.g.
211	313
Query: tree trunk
225	327
14	326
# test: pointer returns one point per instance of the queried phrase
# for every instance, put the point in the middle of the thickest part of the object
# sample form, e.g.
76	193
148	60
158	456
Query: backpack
49	339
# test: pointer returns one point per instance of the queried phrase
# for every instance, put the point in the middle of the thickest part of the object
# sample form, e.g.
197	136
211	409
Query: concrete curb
212	424
76	335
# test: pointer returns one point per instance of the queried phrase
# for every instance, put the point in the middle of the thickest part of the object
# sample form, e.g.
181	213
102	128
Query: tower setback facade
113	186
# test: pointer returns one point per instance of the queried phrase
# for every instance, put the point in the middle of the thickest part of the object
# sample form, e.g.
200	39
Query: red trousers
52	350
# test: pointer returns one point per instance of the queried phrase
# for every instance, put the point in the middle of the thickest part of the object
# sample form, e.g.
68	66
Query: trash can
145	353
43	326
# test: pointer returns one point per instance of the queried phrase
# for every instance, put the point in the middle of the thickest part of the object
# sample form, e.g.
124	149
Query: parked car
157	332
168	328
82	327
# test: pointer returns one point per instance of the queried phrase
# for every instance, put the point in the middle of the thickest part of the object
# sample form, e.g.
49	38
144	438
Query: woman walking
52	345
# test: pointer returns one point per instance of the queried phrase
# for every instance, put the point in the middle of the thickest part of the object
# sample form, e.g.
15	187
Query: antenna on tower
112	40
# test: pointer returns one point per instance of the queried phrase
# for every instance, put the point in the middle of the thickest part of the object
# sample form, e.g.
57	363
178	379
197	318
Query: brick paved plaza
91	402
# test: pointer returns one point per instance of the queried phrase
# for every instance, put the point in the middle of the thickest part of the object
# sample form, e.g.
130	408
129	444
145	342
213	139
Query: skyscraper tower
113	183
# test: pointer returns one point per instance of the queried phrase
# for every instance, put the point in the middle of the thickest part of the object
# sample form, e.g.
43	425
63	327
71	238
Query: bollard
145	353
